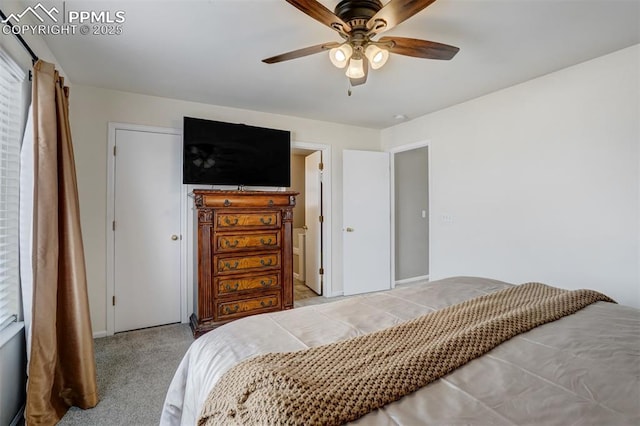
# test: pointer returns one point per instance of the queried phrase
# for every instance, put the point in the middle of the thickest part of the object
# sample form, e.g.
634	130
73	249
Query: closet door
366	221
147	246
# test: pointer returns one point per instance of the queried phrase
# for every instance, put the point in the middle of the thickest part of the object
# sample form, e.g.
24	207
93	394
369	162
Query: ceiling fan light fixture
340	55
356	68
377	57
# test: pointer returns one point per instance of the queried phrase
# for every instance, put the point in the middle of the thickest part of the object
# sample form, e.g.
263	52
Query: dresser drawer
255	305
246	263
270	219
226	286
267	240
244	200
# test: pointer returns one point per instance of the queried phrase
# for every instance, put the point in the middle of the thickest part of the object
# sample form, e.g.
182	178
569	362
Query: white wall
540	181
92	108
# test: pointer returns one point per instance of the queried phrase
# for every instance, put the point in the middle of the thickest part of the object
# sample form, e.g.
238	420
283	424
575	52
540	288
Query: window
11	79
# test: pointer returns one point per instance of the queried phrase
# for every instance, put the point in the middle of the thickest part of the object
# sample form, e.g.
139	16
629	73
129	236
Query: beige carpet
134	370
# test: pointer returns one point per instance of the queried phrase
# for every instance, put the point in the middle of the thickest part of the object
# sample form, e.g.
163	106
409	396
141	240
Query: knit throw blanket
343	381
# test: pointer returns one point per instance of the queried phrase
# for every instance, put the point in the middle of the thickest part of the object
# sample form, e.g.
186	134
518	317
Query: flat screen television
217	153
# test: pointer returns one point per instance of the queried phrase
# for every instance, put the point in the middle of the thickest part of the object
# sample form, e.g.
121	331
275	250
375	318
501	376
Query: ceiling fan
359	22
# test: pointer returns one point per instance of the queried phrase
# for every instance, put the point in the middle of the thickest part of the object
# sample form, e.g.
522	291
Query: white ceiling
211	51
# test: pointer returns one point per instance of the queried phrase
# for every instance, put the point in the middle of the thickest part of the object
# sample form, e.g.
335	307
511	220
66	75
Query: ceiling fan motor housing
357	13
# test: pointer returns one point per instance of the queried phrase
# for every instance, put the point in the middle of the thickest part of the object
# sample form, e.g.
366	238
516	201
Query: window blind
11	124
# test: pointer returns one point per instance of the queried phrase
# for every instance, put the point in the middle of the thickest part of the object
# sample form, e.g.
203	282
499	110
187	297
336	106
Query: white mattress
583	369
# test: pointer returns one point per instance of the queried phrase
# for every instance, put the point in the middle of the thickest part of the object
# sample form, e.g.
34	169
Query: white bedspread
583	369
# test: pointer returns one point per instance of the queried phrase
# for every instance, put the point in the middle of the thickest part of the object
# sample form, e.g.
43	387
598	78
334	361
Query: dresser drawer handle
266	222
270	203
266	283
268	242
229	266
266	305
227	203
267	262
235	287
228	310
231	245
229	222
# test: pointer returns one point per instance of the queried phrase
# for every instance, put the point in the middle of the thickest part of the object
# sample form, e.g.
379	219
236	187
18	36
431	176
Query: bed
583	369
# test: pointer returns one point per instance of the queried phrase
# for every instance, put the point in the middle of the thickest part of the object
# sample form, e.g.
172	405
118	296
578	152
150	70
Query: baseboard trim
99	334
412	280
18	418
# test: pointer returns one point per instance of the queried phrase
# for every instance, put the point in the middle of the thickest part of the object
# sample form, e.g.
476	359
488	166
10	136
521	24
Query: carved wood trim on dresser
245	255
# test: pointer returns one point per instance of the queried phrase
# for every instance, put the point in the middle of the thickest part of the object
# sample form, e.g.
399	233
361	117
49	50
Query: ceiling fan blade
420	48
321	14
301	52
395	12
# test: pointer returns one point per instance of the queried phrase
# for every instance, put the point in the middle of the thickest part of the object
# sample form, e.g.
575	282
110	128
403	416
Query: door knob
174	237
349	229
305	227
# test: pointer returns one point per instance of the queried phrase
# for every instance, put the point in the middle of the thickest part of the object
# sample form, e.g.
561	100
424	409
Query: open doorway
410	223
308	223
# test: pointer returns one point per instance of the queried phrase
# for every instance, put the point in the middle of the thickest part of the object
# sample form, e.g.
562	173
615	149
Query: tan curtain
62	364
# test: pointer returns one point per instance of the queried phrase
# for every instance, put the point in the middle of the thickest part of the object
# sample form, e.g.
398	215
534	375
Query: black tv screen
218	153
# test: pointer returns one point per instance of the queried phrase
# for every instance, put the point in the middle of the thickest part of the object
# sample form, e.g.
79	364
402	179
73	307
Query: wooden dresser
245	255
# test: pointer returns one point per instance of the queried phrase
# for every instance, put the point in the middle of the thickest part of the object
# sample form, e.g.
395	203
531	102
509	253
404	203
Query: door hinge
321	219
113	225
321	271
114	150
113	301
321	166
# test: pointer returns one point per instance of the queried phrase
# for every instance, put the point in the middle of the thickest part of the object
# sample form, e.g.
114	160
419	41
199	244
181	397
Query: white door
148	179
312	212
366	221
